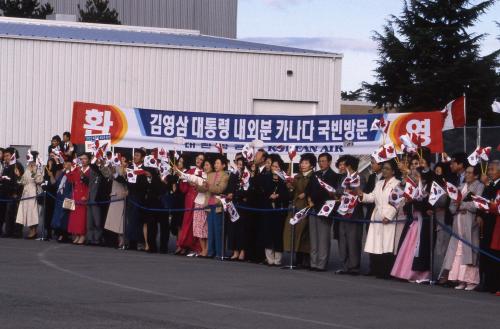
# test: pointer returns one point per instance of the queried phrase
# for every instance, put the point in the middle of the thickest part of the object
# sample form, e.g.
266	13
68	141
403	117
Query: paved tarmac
51	285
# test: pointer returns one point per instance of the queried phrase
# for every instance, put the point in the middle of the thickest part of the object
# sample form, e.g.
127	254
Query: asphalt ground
51	285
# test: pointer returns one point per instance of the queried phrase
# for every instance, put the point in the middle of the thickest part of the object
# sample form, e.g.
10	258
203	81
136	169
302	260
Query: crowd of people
122	201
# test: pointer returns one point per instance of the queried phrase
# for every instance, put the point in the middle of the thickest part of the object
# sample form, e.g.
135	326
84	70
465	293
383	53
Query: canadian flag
292	152
480	202
299	215
411	188
327	208
390	150
436	192
377	155
380	124
396	197
484	153
417	139
454	114
325	185
453	192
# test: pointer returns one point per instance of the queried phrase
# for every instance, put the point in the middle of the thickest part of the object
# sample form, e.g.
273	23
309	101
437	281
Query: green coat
302	243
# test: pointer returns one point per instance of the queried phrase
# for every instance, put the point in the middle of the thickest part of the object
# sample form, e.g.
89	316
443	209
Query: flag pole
465	125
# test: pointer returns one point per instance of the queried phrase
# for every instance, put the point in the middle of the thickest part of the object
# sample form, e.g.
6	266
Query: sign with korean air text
196	131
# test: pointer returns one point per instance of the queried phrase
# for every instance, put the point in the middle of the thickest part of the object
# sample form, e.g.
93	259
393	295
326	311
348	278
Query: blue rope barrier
475	248
166	209
12	200
84	203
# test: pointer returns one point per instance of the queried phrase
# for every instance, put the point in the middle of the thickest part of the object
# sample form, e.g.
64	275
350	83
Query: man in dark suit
458	164
256	248
489	281
9	189
320	227
351	233
136	199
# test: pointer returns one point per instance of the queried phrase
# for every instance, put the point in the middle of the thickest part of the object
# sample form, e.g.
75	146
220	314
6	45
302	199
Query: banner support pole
465	124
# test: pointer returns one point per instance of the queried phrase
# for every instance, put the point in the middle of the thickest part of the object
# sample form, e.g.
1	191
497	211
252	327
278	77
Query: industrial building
210	17
45	66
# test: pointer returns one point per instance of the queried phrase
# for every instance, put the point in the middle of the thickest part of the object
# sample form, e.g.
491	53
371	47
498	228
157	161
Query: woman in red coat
186	241
79	177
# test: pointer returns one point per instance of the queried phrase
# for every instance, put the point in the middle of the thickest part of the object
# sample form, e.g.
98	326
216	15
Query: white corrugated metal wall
210	17
39	81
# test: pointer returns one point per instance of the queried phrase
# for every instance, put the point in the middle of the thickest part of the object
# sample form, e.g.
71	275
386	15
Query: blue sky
338	26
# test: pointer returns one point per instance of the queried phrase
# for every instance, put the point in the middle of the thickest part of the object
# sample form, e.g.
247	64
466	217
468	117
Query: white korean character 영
169	125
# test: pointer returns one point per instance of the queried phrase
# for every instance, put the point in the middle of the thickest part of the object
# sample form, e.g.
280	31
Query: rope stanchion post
291	266
431	279
44	212
223	237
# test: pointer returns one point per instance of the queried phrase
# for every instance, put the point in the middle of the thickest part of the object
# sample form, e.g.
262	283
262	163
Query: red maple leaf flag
411	188
454	114
381	125
485	153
